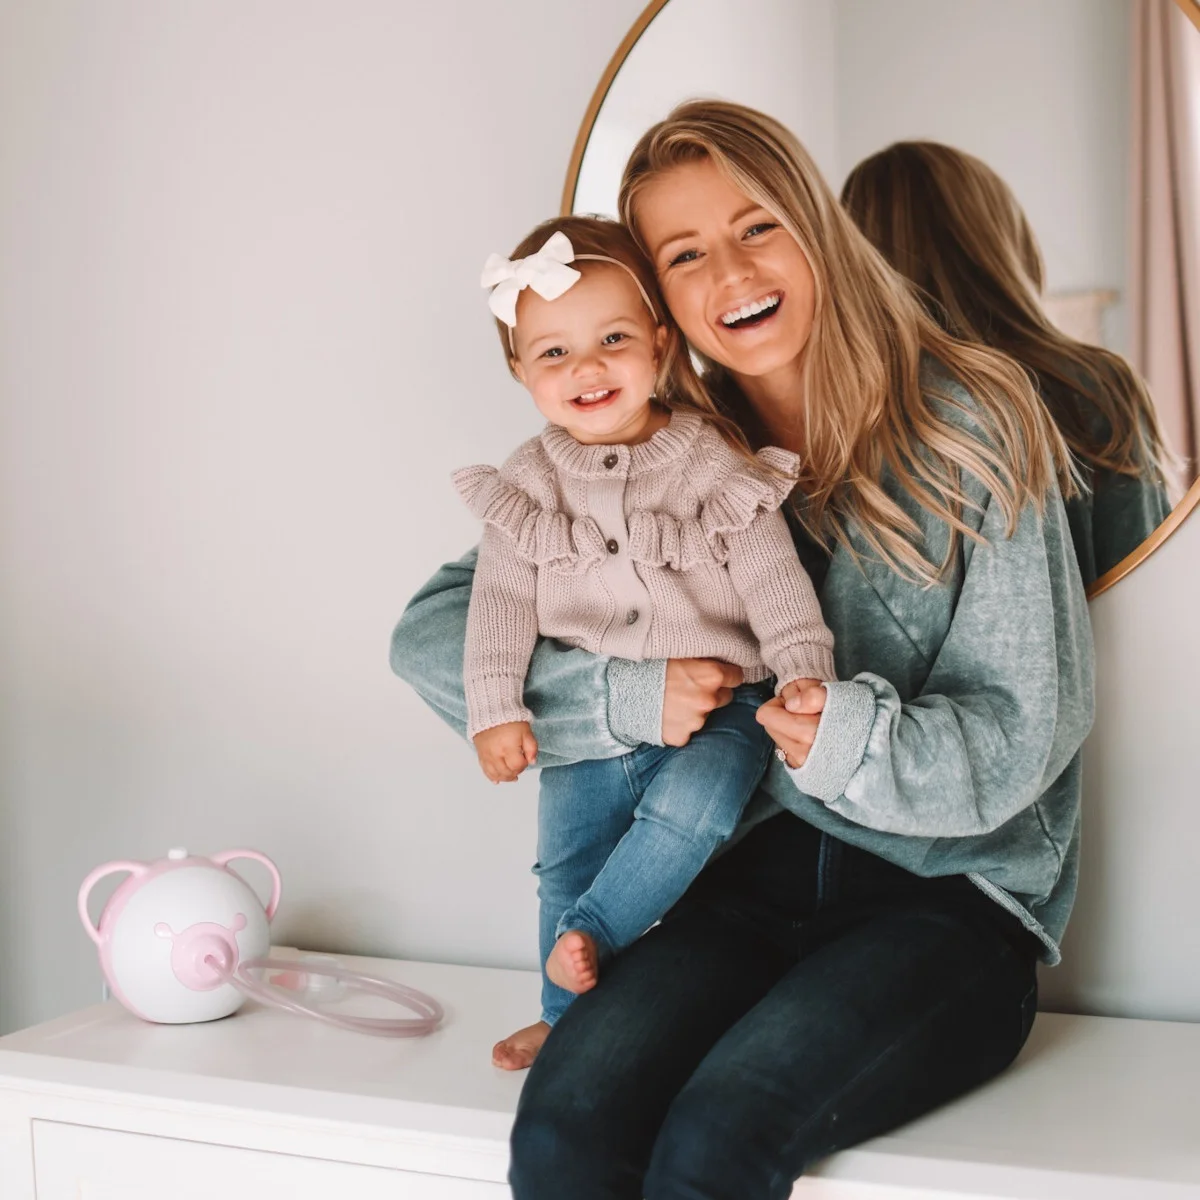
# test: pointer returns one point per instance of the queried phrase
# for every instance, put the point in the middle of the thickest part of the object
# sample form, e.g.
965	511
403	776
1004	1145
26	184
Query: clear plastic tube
429	1012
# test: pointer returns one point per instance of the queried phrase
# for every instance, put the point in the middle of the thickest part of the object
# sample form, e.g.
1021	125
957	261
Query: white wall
1038	90
242	346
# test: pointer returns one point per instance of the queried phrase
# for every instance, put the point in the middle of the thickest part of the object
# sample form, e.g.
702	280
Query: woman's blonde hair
949	223
676	384
863	406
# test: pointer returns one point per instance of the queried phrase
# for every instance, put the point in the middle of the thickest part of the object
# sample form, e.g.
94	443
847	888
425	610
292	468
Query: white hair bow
546	272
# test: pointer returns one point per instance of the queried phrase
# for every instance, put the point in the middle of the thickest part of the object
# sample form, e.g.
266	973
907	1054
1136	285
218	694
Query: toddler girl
638	524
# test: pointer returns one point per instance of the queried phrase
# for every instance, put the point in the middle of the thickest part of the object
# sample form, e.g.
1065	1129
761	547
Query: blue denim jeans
804	996
621	839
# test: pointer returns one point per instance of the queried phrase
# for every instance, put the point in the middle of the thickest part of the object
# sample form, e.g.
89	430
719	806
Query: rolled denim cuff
635	700
841	741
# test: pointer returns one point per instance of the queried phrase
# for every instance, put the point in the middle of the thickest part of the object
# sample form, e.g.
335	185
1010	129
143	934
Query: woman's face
734	279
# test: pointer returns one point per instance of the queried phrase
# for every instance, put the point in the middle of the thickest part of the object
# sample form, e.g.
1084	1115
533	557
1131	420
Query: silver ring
781	755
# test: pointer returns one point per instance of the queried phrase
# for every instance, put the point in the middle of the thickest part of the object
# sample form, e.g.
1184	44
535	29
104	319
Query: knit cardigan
671	548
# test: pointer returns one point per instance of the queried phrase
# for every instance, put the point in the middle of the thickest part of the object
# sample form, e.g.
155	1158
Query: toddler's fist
506	750
803	696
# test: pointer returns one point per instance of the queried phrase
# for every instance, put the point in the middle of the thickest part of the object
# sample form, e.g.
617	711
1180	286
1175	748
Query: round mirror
1088	109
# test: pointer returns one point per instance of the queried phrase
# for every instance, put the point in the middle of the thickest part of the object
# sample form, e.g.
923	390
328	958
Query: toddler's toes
574	962
519	1050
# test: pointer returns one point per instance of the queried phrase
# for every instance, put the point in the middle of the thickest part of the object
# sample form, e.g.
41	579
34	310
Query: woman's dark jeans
802	997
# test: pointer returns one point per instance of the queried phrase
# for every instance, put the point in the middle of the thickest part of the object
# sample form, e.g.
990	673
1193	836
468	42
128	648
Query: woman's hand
506	750
695	686
792	717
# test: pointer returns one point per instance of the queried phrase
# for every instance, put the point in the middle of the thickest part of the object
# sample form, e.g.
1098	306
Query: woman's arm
585	706
1004	710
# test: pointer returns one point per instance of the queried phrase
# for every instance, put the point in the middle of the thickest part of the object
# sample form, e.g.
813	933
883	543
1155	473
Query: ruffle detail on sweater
657	539
543	537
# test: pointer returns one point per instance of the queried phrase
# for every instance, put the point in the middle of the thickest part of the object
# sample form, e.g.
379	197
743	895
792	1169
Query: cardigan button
631	616
611	546
610	461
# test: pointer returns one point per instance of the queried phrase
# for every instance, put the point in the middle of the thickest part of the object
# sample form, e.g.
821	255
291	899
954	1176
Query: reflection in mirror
1094	132
950	224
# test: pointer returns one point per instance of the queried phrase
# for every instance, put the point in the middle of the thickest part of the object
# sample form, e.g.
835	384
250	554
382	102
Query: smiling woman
732	210
925	857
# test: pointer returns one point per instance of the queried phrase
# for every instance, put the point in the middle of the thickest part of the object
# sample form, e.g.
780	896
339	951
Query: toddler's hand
793	696
792	717
506	750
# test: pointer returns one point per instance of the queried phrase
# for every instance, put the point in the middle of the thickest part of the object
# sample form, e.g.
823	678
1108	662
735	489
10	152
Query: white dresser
100	1106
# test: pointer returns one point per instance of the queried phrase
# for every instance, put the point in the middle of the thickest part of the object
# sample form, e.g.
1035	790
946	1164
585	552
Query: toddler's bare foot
519	1050
574	963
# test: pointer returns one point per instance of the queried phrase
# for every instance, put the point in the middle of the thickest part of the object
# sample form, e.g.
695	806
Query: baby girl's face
589	357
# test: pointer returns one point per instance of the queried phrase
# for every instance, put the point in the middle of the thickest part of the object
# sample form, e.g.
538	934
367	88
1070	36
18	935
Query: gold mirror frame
1181	511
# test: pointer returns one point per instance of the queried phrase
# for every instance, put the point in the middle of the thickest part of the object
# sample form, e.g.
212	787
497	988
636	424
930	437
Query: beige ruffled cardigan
673	548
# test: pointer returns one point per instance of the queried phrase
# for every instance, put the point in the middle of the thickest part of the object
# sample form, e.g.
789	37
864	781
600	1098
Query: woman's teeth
738	316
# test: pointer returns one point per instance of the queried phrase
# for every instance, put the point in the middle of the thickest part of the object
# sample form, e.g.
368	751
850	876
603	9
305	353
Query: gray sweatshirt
952	744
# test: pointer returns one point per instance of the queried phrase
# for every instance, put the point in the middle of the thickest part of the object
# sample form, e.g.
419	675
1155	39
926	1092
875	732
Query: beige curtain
1165	270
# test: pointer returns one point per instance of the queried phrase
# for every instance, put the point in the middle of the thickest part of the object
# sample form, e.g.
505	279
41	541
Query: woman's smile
752	314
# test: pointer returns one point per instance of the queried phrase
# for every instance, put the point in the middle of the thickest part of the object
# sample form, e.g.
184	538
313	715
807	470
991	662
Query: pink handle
134	868
277	884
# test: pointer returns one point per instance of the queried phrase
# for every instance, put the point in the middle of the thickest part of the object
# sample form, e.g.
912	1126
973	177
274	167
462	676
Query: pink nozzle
204	956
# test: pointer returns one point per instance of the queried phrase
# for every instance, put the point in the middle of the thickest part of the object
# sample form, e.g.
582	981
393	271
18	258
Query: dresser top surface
262	1056
1089	1096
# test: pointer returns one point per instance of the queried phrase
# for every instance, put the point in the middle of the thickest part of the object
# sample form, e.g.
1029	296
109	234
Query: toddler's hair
677	386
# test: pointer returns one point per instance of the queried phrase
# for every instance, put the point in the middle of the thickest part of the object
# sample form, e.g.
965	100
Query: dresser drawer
76	1162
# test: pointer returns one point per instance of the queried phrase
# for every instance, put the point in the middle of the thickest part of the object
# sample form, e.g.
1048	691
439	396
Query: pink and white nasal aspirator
185	939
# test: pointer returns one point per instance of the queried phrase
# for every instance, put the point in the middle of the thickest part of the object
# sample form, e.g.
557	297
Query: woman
869	952
950	224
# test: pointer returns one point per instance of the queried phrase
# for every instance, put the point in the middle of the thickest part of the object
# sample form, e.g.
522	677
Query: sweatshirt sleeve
1004	709
585	706
780	601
